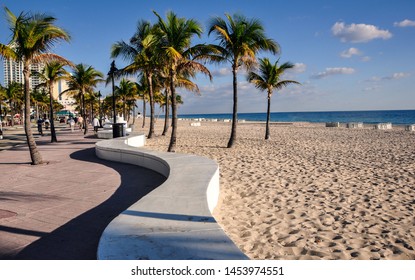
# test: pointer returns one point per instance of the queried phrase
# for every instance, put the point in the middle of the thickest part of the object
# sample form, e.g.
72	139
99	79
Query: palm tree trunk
85	124
150	85
166	115
134	112
267	134
124	109
172	145
1	112
144	112
11	113
31	143
52	123
235	106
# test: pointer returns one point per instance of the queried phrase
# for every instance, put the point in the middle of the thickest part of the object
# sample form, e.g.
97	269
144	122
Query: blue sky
349	55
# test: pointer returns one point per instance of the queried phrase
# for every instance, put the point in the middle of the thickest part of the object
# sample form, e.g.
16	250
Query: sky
348	55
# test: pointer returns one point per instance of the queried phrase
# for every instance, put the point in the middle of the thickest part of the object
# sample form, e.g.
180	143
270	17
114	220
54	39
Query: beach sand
310	192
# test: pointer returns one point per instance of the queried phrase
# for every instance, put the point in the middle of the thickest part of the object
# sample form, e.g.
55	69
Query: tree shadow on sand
78	239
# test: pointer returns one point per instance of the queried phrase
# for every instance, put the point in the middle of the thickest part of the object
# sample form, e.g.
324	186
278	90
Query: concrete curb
174	221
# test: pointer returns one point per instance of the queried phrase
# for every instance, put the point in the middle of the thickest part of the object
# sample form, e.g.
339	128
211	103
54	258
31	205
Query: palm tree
53	71
2	98
240	39
141	53
268	78
125	91
174	36
82	81
41	101
163	81
14	94
106	105
33	36
142	93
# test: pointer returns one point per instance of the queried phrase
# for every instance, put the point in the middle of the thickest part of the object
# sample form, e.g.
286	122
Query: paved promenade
58	210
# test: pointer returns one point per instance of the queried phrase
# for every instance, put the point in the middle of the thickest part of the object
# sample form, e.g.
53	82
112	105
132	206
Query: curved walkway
174	221
59	210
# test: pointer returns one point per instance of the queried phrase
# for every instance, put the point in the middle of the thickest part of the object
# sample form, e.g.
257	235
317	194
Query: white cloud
396	76
299	68
375	83
334	71
366	58
405	23
372	88
350	52
359	33
222	72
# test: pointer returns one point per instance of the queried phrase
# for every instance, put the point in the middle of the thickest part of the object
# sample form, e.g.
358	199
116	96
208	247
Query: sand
310	192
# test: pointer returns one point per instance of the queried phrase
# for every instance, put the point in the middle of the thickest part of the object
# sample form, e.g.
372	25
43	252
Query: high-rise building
13	72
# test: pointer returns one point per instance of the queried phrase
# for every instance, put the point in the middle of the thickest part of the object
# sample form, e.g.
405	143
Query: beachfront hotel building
13	72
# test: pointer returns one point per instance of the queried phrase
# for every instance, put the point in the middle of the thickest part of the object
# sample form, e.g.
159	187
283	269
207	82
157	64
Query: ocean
398	117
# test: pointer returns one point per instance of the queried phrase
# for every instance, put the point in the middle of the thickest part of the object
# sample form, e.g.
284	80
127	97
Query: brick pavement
59	210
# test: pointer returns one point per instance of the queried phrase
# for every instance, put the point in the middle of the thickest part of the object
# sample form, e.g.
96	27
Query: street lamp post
99	108
115	126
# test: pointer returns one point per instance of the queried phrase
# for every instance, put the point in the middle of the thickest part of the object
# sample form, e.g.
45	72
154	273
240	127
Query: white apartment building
13	72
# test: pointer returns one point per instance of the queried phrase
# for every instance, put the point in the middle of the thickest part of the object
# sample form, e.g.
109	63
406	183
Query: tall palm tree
163	82
33	36
174	36
268	78
142	93
125	91
240	39
106	105
53	71
141	54
14	93
83	80
2	99
41	101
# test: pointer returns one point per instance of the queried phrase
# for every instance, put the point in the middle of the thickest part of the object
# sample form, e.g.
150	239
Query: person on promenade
80	121
47	123
95	123
72	124
39	126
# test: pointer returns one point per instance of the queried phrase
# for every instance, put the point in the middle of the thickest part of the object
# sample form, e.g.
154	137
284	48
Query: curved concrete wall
174	221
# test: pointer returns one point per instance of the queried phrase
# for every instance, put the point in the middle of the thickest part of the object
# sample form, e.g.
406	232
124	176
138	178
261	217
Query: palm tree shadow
78	239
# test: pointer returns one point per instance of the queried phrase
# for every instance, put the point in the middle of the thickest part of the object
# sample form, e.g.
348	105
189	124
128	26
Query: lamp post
115	127
111	73
99	108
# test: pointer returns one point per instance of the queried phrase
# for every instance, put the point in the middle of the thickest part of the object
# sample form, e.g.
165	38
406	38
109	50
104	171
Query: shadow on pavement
78	239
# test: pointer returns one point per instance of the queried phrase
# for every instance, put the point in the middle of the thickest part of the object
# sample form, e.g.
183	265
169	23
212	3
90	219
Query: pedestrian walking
47	123
39	126
95	123
72	124
80	121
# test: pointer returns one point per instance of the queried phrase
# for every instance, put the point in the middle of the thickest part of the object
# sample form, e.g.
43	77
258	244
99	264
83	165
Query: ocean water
399	117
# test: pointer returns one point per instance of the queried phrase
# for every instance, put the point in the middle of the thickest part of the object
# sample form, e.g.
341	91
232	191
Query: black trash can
117	130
